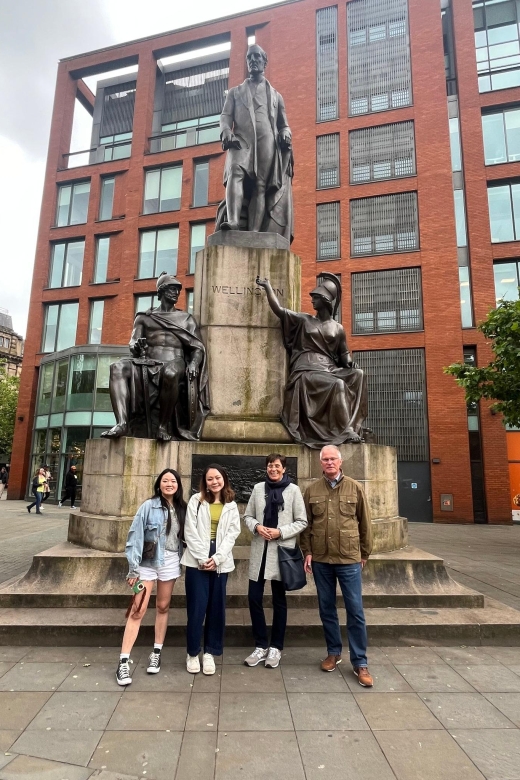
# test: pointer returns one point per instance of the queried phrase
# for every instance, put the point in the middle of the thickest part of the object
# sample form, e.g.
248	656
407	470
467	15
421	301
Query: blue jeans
205	603
349	577
37	500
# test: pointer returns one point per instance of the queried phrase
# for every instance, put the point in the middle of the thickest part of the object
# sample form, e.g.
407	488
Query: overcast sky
34	36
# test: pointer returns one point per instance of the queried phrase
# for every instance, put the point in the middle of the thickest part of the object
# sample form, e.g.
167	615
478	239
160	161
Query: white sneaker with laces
258	655
193	664
208	664
273	658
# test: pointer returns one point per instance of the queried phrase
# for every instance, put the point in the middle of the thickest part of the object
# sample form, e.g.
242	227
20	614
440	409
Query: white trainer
273	658
258	655
193	664
208	664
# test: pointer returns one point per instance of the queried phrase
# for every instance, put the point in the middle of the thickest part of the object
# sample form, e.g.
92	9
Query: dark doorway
414	487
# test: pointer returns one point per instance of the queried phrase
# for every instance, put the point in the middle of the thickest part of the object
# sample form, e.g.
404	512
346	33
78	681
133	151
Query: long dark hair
227	493
179	504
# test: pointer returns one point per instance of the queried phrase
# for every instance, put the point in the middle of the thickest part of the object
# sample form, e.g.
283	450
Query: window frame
66	243
492	185
104	181
197	163
502	113
160	170
72	185
157	230
59	306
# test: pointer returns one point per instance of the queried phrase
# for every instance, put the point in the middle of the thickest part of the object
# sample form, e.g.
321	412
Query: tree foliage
499	381
9	386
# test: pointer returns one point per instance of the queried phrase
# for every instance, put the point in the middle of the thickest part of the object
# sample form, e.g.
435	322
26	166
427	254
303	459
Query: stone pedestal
247	361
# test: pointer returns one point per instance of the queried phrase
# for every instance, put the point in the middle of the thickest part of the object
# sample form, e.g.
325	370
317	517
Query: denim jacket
148	526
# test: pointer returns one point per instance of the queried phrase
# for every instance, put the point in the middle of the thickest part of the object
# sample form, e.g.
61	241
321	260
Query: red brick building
395	108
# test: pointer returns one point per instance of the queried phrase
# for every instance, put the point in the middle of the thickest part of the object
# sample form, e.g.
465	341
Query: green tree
499	381
9	386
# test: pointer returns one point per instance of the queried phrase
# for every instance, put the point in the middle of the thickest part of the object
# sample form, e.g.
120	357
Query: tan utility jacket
340	528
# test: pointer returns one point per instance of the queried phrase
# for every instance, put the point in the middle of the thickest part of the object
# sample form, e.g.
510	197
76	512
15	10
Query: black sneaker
154	662
123	672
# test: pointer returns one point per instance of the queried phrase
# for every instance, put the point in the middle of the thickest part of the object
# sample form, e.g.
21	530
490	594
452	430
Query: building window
382	152
201	183
385	301
506	281
497	44
117	147
72	204
466	305
327	158
67	264
197	242
162	190
145	302
501	132
106	202
115	133
327	64
158	252
460	218
328	222
379	71
59	330
384	224
101	264
96	322
189	301
455	148
504	212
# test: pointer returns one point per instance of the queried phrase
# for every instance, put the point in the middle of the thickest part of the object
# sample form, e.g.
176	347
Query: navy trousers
205	604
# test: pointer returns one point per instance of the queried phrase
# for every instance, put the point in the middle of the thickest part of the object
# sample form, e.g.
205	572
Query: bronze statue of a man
325	400
259	163
162	390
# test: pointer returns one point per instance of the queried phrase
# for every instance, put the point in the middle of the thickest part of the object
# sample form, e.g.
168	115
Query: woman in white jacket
210	531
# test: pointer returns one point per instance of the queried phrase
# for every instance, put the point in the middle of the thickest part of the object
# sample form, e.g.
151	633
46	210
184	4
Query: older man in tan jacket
336	545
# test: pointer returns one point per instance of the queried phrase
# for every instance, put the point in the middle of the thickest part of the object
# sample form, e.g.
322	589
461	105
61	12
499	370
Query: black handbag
292	567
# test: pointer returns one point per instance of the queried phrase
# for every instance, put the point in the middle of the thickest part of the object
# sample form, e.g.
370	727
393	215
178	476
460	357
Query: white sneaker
258	655
273	658
193	664
74	507
59	503
208	664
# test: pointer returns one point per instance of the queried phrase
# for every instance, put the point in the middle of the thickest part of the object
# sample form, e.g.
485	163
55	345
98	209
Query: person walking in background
152	549
275	515
336	545
212	527
47	490
38	489
71	485
4	479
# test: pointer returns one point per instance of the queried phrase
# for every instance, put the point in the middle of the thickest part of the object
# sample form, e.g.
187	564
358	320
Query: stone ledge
248	239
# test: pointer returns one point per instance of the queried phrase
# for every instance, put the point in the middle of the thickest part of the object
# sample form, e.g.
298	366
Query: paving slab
7	737
18	709
326	712
465	711
5	666
328	754
173	677
197	758
79	711
466	656
237	679
496	752
70	747
207	683
203	712
254	712
426	755
77	655
95	677
30	768
128	752
489	678
258	756
14	654
506	655
386	679
392	711
422	677
508	703
311	679
411	655
165	711
35	676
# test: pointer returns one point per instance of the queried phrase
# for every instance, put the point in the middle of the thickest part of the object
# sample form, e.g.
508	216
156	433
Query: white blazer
197	534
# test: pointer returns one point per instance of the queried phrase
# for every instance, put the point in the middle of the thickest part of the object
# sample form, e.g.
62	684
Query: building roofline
180	30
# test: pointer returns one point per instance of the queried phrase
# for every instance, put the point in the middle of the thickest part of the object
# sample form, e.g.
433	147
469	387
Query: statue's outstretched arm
271	297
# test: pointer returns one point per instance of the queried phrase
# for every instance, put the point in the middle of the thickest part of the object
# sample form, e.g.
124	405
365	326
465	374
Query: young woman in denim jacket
160	522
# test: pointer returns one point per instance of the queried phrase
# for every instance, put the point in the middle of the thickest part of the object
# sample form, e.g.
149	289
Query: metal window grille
384	224
384	301
397	400
379	70
327	64
382	152
195	92
118	109
328	230
327	155
319	280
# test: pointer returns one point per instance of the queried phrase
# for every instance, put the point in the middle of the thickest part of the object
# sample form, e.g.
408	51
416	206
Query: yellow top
215	510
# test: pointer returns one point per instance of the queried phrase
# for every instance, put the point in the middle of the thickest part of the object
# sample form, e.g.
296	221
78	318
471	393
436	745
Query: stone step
493	624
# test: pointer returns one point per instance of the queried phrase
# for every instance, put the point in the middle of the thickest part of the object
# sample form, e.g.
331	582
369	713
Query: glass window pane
515	192
103	403
58	256
197	242
189	301
147	254
151	192
107	198
67	326
50	329
80	196
73	263
500	216
96	322
167	245
208	134
456	158
500	12
81	382
506	282
506	79
171	183
512	121
121	152
44	397
460	218
144	302
494	138
200	184
60	386
102	252
62	212
466	309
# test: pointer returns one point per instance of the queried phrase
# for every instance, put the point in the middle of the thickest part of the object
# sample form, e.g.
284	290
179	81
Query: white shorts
171	569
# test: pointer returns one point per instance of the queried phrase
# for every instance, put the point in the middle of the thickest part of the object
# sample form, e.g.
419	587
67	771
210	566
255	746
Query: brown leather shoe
330	663
364	677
